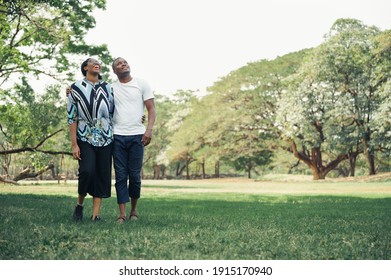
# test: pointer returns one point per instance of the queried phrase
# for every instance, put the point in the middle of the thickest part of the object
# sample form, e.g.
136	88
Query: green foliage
249	161
356	67
332	101
28	121
334	96
155	153
324	99
31	117
235	122
244	104
180	126
381	122
43	37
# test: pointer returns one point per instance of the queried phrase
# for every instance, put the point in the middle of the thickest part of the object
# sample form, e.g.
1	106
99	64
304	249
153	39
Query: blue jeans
128	153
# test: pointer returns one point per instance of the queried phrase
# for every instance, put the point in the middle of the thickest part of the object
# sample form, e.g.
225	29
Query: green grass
178	223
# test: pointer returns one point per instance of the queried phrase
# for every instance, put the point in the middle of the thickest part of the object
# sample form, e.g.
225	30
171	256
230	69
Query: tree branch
26	173
8	181
35	148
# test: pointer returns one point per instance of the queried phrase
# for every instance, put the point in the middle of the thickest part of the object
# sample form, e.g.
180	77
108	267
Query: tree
29	125
247	99
42	37
351	66
235	123
249	162
155	157
329	107
178	151
381	121
304	122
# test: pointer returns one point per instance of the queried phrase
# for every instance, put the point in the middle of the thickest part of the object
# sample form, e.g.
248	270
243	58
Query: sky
190	44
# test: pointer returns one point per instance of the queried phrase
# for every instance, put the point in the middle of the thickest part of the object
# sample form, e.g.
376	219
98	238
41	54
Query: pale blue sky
189	44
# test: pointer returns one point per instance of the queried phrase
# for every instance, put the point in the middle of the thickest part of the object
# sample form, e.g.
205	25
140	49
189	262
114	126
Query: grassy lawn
204	220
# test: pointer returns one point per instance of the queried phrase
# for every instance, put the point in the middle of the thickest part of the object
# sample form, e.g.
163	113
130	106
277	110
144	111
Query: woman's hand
76	152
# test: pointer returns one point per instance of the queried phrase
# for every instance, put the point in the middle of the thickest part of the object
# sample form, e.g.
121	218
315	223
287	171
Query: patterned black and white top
91	106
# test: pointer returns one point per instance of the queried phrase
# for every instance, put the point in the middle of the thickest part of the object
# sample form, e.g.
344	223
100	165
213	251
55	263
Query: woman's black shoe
78	213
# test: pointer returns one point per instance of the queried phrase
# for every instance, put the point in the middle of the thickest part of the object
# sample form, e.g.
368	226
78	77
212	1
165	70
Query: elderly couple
106	121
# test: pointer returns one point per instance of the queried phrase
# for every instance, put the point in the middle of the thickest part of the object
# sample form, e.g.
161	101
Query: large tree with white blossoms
327	114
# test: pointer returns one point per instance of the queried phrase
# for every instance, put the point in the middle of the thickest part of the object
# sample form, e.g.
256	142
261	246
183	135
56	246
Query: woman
90	108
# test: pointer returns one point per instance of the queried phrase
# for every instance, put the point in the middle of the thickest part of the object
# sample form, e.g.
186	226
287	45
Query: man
131	96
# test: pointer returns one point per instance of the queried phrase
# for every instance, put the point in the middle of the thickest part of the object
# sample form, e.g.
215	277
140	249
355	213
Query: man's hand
68	91
147	137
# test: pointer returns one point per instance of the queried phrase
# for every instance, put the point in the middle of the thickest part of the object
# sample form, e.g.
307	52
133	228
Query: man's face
121	66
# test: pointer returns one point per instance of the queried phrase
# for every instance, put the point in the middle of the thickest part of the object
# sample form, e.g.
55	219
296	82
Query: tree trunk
187	170
203	169
217	169
156	171
8	181
352	164
316	175
314	161
371	163
177	169
6	163
370	155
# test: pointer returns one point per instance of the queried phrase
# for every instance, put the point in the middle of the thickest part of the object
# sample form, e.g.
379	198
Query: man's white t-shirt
129	106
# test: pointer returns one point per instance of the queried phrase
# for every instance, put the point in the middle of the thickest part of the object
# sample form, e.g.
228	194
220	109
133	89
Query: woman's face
93	66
